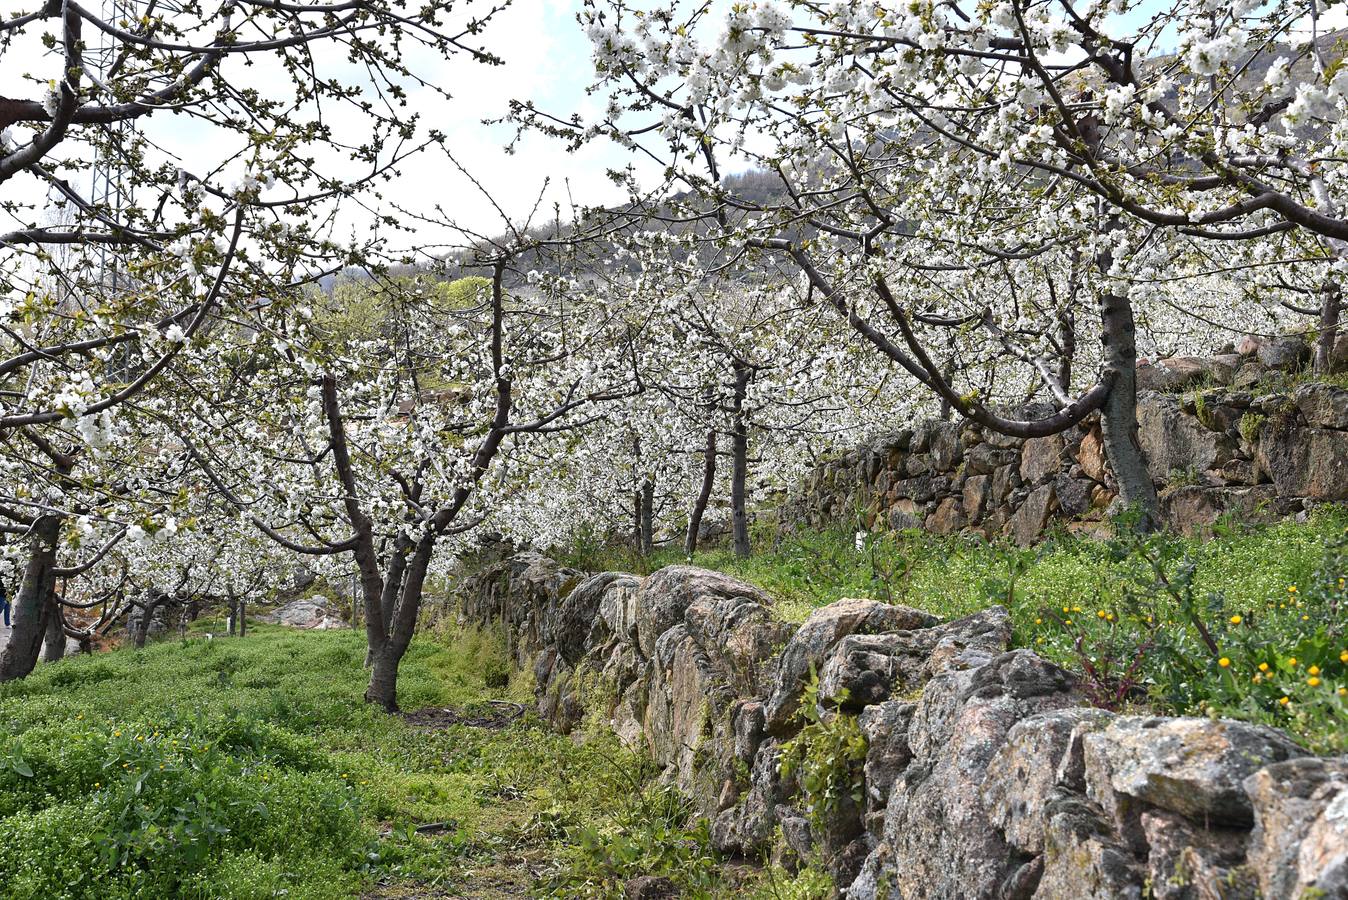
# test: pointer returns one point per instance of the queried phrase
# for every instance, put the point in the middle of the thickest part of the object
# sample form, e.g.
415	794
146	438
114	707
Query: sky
546	59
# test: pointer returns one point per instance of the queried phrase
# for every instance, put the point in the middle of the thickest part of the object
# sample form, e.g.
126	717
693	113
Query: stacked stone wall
1235	435
983	773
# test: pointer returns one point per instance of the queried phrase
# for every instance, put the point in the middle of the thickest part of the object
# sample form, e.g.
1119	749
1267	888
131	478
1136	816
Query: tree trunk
383	687
948	411
31	605
143	624
386	655
54	647
232	620
704	495
1067	346
241	622
636	519
1331	303
647	523
739	470
1118	418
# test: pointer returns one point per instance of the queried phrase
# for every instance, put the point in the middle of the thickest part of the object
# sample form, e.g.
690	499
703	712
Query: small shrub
825	757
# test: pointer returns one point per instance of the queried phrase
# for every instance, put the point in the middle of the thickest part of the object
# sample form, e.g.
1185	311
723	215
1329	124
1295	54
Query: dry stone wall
1230	435
984	773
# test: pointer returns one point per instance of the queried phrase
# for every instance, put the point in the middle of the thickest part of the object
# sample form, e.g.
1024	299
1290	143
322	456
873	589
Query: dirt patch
493	714
509	878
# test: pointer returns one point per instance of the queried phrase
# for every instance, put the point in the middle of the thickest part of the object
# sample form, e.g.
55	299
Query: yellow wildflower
1224	662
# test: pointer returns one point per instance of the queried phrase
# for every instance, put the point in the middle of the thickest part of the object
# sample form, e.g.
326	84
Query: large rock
1025	771
740	636
1073	494
1323	405
1300	843
812	641
579	623
984	458
885	727
975	496
1286	354
1041	458
1189	862
948	517
665	596
1179	372
1083	857
683	695
937	838
1176	442
1305	462
747	827
316	613
1091	455
1032	516
946	449
1191	766
1193	509
863	669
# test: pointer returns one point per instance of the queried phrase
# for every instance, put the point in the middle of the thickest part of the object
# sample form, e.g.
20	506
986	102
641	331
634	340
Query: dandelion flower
1313	682
1314	670
1235	620
1224	662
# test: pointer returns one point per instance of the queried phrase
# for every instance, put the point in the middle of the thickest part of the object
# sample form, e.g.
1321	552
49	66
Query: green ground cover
250	768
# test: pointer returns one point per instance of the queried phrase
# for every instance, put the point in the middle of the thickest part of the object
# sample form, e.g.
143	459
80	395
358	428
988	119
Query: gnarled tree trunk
389	641
54	647
646	519
1118	418
32	604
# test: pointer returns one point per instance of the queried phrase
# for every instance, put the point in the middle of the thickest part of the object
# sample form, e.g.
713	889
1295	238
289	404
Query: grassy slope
1267	595
250	768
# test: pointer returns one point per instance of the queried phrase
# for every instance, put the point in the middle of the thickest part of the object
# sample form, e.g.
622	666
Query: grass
241	768
955	576
1121	615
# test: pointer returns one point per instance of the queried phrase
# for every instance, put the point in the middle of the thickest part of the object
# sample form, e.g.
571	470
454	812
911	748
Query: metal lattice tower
109	191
